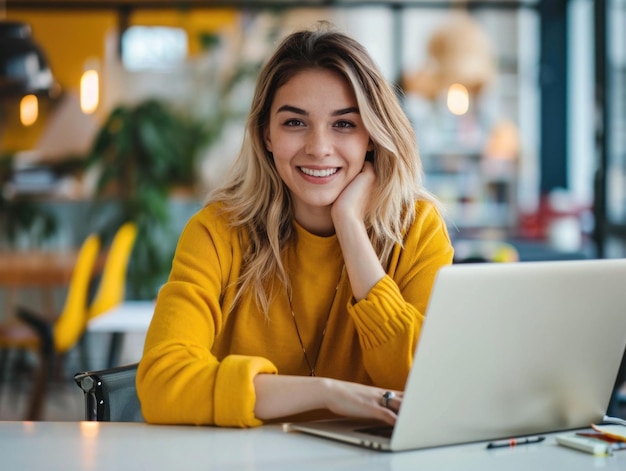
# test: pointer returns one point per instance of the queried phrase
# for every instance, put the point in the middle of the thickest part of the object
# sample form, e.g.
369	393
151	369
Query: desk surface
128	317
113	446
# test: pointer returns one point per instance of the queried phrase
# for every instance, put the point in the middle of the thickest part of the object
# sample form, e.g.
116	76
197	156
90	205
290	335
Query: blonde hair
257	201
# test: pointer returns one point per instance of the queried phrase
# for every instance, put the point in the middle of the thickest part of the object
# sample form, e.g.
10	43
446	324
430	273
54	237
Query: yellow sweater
199	362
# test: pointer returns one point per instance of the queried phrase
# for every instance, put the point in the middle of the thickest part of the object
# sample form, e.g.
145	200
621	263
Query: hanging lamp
23	65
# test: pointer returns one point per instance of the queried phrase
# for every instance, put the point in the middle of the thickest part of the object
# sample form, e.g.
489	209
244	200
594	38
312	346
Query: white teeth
318	173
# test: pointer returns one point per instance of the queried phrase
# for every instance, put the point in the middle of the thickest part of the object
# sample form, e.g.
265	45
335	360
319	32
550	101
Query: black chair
110	394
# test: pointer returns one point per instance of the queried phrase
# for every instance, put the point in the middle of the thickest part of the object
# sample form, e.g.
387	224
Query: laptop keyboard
380	431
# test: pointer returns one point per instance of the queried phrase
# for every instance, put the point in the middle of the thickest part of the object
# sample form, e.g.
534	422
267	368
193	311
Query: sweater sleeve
389	319
179	380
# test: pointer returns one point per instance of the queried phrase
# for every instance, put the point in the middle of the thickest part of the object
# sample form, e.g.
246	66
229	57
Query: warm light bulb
458	99
29	110
89	91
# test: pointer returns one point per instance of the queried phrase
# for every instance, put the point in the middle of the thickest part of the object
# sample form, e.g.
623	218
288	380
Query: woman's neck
317	221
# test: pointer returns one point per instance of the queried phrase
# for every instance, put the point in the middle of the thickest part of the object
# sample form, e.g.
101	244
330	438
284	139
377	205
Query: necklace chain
319	347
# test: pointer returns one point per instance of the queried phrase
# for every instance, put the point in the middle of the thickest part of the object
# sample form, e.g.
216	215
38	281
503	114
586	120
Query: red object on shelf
537	225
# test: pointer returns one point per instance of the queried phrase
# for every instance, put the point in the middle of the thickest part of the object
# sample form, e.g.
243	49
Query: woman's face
317	137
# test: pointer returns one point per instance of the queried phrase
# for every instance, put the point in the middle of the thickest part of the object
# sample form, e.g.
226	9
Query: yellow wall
71	37
68	39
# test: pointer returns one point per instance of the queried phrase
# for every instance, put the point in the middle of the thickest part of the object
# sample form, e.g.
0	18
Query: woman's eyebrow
296	110
292	109
352	109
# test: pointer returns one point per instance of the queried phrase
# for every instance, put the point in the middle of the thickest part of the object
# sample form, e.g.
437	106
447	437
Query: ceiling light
23	66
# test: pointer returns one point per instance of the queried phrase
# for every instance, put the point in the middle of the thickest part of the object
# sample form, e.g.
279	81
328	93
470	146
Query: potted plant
142	152
145	151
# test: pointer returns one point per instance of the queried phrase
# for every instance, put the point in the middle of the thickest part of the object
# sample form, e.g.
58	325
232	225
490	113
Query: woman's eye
294	123
344	124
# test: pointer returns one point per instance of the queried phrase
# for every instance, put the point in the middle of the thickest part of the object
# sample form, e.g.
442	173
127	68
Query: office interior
519	111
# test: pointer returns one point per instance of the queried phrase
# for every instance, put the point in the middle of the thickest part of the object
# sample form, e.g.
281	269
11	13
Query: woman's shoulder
213	212
212	217
428	208
429	218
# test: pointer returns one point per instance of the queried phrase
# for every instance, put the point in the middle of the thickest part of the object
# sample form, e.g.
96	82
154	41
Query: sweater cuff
234	393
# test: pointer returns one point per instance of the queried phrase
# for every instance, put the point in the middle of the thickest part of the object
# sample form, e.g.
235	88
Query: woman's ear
267	140
369	155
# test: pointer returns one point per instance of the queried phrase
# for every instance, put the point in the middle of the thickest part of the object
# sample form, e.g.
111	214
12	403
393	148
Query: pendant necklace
295	323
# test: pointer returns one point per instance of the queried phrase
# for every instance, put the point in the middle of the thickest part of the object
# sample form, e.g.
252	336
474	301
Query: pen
515	442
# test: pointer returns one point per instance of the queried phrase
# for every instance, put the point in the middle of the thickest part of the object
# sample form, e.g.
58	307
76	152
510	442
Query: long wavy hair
258	202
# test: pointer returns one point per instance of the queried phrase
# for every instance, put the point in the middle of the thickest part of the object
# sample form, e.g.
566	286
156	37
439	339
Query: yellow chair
112	285
52	339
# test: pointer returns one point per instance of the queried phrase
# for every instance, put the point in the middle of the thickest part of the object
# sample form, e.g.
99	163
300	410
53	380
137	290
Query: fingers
358	400
355	196
387	405
391	400
368	167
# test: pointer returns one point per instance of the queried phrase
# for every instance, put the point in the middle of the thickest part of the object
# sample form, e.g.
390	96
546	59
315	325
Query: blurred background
518	107
133	109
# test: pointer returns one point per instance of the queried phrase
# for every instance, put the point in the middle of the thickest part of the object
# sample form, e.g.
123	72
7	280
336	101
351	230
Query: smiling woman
311	267
318	143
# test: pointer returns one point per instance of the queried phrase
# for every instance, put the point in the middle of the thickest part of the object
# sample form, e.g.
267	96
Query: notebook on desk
507	350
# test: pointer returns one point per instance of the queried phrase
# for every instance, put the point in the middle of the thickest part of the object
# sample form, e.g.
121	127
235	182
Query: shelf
478	215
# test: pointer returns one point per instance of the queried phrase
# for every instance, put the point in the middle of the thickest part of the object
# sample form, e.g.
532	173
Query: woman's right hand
281	396
358	400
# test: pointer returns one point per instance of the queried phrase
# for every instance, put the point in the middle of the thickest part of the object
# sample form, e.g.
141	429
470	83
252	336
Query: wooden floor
63	403
64	399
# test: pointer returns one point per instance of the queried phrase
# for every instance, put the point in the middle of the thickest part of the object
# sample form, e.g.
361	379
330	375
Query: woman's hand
348	214
355	198
280	396
357	400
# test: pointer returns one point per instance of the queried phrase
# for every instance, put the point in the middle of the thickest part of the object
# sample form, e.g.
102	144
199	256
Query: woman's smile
319	173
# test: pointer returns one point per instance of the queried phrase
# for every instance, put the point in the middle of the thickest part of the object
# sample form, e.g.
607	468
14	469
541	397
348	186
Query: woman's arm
348	213
389	310
180	381
280	396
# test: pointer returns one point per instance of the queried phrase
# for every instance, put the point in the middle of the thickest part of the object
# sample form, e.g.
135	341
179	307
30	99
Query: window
153	47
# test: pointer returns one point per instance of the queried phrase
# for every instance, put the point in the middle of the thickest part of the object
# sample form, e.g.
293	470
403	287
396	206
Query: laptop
506	350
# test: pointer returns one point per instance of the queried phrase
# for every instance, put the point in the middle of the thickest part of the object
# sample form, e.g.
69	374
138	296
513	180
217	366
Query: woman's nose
319	143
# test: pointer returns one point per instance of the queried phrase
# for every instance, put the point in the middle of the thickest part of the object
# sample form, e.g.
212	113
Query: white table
130	318
111	446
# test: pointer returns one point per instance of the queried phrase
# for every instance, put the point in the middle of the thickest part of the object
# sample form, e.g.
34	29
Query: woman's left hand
355	199
348	213
358	400
281	396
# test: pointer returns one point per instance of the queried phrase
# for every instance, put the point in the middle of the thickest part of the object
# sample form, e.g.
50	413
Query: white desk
128	317
128	321
110	446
